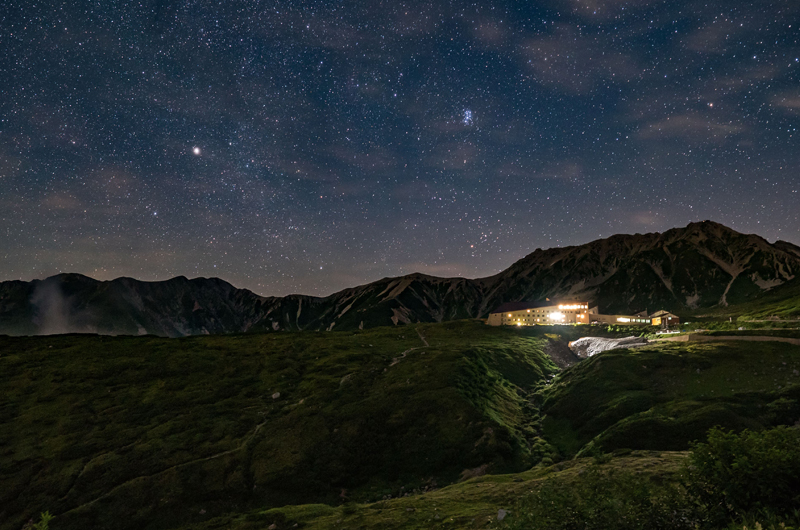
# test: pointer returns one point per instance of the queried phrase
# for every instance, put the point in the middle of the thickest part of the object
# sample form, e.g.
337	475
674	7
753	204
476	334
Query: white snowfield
588	346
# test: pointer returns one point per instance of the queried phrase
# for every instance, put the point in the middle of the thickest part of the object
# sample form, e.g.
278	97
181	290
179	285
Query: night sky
311	146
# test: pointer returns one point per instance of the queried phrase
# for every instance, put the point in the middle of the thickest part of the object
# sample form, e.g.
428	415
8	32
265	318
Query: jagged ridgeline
704	265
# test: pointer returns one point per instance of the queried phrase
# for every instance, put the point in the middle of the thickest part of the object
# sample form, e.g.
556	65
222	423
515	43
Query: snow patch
765	284
345	310
660	273
724	300
589	346
400	315
733	269
398	288
692	301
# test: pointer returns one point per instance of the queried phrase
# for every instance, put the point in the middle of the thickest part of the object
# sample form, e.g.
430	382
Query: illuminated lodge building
577	312
529	314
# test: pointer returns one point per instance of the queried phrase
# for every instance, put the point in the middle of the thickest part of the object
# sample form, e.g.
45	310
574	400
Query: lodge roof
662	313
520	306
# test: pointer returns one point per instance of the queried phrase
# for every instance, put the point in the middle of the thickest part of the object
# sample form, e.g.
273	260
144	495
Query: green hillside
471	504
150	432
360	429
666	395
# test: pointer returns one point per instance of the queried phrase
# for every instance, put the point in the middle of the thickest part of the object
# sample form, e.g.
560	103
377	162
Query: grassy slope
664	396
157	433
144	432
787	333
651	398
470	504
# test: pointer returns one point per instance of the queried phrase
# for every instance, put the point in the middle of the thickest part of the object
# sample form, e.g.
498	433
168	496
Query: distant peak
707	224
70	276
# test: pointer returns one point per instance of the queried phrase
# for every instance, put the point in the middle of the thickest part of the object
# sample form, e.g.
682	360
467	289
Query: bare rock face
562	356
589	346
73	303
702	265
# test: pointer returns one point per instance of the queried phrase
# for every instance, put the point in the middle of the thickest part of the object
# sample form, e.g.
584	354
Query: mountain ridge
704	264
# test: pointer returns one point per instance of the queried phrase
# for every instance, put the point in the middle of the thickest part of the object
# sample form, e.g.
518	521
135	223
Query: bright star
467	119
196	151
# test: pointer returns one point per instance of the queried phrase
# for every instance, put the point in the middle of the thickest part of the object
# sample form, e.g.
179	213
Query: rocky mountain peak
704	264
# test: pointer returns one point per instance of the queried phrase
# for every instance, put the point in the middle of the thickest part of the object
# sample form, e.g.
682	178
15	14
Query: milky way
310	146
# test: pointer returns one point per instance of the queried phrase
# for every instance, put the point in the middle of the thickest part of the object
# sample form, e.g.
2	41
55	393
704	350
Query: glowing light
623	319
557	316
196	151
570	306
467	119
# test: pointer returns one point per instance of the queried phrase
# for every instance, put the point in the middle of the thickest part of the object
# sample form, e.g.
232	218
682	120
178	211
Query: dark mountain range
700	266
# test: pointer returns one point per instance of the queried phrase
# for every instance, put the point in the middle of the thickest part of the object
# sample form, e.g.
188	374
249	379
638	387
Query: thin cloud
576	63
603	10
690	127
714	37
787	102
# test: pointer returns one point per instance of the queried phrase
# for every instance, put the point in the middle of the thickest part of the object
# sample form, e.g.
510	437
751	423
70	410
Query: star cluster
308	146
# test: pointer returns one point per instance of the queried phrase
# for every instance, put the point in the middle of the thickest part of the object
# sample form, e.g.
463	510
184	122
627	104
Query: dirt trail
422	337
696	337
217	455
188	463
403	354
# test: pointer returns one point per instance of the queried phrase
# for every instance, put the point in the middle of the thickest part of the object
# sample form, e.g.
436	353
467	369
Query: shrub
745	475
44	521
601	500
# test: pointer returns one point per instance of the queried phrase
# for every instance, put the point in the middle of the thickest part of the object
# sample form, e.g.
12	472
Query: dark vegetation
665	396
362	430
150	432
787	333
599	498
733	481
749	476
750	480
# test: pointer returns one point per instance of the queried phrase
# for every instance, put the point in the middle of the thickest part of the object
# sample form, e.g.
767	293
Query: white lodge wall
563	313
576	312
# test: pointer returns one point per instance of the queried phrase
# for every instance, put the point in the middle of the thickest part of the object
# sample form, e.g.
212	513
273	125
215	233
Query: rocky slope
72	303
702	265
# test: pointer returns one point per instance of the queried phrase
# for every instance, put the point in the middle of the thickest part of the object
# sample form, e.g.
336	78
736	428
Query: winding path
211	457
696	337
403	354
176	466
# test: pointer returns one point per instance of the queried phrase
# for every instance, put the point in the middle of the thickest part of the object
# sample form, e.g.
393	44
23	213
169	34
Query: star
362	154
